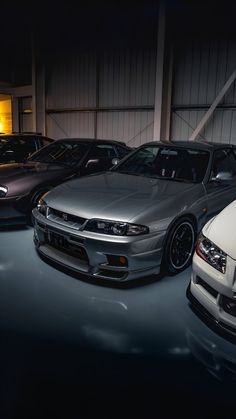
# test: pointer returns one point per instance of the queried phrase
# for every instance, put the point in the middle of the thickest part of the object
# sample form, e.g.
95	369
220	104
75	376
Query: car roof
94	141
24	134
202	145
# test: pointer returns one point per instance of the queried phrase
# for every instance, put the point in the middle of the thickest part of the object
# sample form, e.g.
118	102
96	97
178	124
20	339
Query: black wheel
179	246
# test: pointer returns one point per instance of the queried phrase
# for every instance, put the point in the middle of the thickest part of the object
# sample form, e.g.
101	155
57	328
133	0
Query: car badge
64	216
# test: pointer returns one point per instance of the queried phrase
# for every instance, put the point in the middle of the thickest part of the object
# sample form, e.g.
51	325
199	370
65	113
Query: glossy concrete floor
75	349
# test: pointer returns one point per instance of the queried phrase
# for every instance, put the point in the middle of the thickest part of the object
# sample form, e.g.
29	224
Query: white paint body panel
221	230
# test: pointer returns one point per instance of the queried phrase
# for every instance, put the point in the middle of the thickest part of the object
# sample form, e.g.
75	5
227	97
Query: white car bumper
215	292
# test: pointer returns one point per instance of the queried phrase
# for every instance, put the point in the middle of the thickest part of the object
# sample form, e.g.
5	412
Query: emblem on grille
64	216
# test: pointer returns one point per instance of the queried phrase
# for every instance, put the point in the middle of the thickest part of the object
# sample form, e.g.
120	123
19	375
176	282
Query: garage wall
200	71
104	95
135	128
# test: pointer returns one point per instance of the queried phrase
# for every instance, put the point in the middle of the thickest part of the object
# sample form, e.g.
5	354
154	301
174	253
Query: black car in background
22	184
17	147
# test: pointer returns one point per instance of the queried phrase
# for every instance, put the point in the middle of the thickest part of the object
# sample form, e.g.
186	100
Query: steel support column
40	98
159	71
33	83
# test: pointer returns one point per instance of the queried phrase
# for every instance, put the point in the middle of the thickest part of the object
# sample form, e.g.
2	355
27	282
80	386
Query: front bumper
213	294
143	253
12	211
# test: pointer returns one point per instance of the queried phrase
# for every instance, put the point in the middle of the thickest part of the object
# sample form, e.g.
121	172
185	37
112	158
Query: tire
179	246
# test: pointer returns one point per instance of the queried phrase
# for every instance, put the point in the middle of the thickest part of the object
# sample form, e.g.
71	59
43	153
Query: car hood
20	177
20	169
219	230
115	196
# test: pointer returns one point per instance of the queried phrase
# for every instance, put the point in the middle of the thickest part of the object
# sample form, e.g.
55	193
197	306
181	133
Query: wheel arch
187	216
180	217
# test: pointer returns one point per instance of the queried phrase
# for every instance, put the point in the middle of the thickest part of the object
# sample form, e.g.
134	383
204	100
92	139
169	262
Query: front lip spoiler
221	328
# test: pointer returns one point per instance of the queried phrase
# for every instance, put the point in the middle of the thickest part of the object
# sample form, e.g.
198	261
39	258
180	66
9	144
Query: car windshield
68	153
163	162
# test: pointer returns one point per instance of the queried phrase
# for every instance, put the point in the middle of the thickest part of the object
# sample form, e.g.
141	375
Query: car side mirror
115	161
222	177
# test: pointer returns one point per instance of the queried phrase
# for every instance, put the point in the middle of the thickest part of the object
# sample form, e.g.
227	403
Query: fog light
228	305
114	260
123	260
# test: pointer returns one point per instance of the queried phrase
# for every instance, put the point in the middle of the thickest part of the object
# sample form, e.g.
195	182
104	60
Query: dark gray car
21	185
142	215
15	148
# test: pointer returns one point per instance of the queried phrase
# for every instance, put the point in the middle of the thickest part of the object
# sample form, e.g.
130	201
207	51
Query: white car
212	289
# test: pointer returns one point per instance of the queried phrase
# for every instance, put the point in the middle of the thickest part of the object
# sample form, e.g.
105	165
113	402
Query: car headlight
3	191
42	207
115	228
211	253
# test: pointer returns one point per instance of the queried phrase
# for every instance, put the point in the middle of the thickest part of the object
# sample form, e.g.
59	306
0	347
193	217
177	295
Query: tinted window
167	162
4	141
102	151
18	148
64	152
224	161
44	141
122	151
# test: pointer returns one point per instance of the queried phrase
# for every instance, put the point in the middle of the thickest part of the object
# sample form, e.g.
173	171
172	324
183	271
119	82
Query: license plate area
60	242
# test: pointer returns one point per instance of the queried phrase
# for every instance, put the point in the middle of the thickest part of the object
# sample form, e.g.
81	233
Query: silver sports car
139	217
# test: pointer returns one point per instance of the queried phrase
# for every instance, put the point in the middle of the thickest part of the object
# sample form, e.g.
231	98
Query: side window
44	141
20	148
224	161
122	151
102	151
99	158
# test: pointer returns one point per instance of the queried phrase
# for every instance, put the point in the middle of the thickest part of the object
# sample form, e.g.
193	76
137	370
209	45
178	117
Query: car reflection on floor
214	352
71	340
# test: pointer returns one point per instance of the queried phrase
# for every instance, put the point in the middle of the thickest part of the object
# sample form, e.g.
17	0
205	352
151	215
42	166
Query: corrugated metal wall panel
71	82
62	125
135	128
127	78
124	79
201	70
221	128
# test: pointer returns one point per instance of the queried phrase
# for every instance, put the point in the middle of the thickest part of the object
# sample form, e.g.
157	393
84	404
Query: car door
221	189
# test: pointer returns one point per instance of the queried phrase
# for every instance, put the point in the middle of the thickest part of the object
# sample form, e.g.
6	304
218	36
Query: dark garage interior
73	347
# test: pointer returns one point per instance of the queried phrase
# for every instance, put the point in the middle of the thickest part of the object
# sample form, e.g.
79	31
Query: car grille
65	219
62	243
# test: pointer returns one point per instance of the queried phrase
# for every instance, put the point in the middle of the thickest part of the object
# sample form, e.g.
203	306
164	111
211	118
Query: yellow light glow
5	115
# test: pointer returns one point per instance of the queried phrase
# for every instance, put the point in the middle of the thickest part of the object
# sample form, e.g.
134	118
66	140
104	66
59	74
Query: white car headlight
3	191
42	207
115	228
211	253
